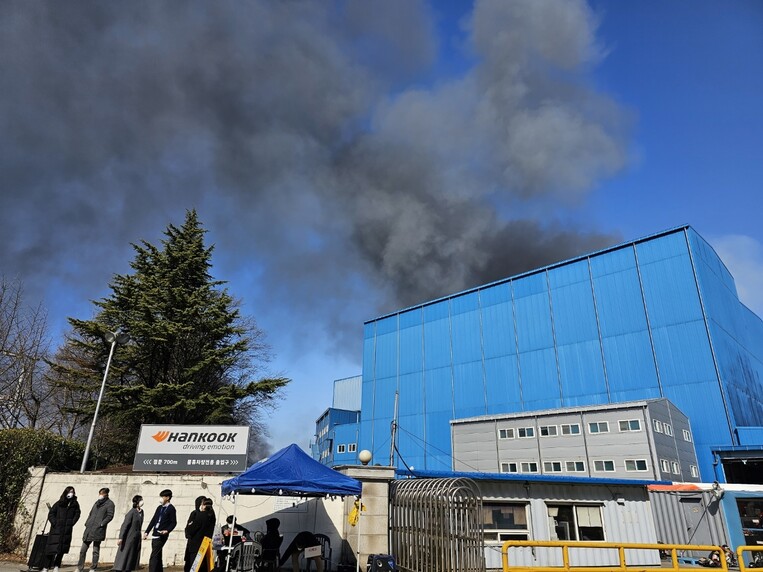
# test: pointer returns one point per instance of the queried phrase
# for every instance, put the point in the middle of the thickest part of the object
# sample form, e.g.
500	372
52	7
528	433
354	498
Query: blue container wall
620	325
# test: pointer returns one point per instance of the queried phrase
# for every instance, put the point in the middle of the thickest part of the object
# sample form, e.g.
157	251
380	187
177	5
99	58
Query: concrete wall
327	516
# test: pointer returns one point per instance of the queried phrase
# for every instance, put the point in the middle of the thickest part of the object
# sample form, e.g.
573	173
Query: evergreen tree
192	358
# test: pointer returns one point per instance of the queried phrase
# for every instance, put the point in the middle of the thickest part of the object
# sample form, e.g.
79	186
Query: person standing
129	542
202	525
95	528
161	524
62	517
189	531
304	539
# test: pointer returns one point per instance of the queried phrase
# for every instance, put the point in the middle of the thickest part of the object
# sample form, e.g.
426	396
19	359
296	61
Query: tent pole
360	514
230	537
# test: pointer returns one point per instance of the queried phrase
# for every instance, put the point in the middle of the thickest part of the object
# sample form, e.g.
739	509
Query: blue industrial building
656	317
336	430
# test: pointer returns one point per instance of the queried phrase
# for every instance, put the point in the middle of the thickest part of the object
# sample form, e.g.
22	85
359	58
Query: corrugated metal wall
626	516
688	518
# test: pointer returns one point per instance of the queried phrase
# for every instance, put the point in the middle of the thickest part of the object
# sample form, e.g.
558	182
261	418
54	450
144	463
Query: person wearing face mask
95	528
129	542
161	524
201	524
62	517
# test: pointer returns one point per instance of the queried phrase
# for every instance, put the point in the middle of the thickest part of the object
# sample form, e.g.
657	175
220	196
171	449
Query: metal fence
436	525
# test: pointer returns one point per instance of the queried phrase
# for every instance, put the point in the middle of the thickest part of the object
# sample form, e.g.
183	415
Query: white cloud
743	256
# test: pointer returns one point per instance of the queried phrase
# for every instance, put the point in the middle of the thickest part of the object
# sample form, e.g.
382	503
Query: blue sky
353	158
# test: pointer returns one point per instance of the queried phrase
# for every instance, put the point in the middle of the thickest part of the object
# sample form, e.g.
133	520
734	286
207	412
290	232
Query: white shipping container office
545	507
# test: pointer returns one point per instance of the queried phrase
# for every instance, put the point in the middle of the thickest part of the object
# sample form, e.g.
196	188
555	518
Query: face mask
140	503
101	497
70	495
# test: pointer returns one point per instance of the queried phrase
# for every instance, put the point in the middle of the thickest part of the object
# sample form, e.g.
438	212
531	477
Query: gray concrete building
648	439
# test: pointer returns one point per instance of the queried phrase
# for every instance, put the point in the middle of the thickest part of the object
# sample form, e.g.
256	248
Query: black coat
201	524
62	517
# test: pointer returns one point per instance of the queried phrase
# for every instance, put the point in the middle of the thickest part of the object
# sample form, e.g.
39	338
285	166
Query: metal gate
436	525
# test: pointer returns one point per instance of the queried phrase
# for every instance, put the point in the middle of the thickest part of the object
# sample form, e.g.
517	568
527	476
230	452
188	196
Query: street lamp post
114	339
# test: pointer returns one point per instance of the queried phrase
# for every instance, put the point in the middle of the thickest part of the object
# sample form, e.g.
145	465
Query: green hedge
19	450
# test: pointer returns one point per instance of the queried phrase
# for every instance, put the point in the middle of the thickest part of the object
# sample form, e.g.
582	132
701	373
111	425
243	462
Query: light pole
113	338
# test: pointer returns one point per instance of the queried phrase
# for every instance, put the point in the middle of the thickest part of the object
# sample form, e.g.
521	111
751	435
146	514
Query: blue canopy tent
291	472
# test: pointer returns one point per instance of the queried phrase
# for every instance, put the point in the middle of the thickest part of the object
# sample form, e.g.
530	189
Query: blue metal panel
569	274
582	374
533	316
683	353
345	435
438	441
631	369
366	433
382	429
574	315
465	329
438	390
411	400
498	330
410	440
469	389
502	385
670	291
348	393
386	354
540	381
411	349
411	318
436	335
619	302
662	248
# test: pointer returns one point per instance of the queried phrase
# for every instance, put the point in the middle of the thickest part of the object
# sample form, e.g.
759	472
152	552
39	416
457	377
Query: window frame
352	448
529	465
508	465
497	536
628	428
668	429
509	431
598	425
675	467
635	468
687	436
665	466
573	518
694	471
552	464
604	466
340	448
548	430
529	432
570	432
575	463
657	425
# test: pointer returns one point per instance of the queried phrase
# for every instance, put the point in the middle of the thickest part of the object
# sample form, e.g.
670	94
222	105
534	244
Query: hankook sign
183	448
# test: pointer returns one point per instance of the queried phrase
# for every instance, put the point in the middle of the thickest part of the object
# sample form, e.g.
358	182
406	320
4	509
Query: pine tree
192	358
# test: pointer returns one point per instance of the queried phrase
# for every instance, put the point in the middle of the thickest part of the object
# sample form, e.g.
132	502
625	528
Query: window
604	466
630	425
635	465
509	468
506	433
548	431
694	471
657	426
676	468
668	429
552	467
575	466
571	429
598	427
575	522
504	521
526	432
529	467
664	466
340	448
352	447
687	435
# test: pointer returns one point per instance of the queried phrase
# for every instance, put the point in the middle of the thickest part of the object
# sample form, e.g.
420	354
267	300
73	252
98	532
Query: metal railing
757	554
620	547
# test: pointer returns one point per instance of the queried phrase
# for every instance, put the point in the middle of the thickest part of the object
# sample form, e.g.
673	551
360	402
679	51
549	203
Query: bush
19	450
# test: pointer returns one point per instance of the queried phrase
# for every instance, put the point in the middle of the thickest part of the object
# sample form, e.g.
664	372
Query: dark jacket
130	534
168	520
203	524
100	516
62	517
